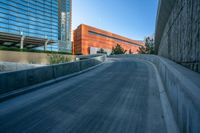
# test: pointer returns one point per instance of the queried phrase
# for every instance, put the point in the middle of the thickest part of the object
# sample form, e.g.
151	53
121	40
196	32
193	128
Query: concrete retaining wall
20	79
183	88
178	32
12	66
27	57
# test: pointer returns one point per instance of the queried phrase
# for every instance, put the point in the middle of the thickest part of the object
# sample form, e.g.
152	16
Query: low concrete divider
84	64
65	69
11	81
183	90
84	57
14	66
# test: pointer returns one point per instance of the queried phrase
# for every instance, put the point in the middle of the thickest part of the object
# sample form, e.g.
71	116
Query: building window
110	37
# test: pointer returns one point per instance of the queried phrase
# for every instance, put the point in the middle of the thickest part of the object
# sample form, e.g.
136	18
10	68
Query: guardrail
11	81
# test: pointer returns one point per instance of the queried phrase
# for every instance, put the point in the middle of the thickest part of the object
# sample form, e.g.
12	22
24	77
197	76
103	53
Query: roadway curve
120	96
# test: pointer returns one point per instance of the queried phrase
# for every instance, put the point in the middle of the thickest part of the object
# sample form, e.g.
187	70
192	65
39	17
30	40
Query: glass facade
36	18
65	25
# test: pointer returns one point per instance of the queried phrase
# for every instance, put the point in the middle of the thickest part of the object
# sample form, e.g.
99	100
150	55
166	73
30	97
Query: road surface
120	96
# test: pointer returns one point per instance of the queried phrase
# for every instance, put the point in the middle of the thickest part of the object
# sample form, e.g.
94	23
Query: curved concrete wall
20	79
183	88
178	32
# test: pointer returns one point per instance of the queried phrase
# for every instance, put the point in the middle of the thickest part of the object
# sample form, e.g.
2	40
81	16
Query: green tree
118	50
101	51
130	52
148	48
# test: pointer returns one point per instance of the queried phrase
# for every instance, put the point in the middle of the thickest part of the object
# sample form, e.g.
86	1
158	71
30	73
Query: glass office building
38	19
65	25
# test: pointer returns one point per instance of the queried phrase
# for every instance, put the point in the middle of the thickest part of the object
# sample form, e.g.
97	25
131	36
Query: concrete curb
25	90
170	122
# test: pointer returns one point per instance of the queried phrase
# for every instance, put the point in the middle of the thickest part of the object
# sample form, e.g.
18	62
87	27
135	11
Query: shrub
118	50
101	51
58	58
130	51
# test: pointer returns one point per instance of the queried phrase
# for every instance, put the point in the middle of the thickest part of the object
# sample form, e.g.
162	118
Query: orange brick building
89	40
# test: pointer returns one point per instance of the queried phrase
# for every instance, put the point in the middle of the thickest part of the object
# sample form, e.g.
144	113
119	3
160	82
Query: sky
134	19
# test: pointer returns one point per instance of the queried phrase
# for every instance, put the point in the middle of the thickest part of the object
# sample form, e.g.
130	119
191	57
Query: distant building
90	40
35	23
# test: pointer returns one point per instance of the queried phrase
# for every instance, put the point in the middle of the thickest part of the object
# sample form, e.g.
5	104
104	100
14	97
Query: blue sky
134	19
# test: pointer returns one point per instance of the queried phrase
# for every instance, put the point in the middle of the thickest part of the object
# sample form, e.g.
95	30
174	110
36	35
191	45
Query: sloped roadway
120	96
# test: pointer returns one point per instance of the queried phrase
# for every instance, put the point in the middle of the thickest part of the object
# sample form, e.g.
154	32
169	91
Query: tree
130	52
118	50
101	51
142	50
148	48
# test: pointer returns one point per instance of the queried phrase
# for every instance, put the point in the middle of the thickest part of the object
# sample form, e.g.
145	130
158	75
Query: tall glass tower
65	13
36	23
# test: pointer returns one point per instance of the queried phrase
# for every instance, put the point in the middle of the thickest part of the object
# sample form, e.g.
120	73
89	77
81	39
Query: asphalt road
120	96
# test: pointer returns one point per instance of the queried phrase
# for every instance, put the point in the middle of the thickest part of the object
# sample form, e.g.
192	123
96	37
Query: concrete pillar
45	45
22	42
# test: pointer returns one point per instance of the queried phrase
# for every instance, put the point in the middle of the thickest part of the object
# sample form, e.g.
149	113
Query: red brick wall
83	40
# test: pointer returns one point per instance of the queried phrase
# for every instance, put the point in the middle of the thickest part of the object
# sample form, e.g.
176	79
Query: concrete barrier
84	57
11	81
183	88
13	66
65	69
84	64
